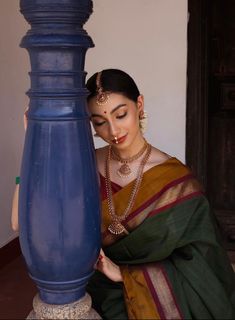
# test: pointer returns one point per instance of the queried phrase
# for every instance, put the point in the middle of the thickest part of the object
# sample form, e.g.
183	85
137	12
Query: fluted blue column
59	210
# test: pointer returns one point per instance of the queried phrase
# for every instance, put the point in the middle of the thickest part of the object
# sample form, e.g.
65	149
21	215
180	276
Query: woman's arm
14	211
15	201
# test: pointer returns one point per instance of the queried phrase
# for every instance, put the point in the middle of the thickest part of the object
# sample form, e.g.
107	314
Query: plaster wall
148	40
14	82
145	38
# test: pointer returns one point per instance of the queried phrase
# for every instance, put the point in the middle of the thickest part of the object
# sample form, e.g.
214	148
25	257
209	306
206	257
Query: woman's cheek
102	133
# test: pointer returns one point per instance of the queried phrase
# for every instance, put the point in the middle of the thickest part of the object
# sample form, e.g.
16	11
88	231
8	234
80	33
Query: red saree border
158	176
158	195
171	289
162	185
153	293
162	292
178	201
173	193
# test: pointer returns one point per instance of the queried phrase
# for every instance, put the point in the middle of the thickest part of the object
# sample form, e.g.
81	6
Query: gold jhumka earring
143	121
102	97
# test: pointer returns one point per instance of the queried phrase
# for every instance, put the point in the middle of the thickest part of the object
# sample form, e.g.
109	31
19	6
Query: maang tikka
102	97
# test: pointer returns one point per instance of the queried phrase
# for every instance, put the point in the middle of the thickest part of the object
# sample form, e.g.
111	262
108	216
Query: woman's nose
113	129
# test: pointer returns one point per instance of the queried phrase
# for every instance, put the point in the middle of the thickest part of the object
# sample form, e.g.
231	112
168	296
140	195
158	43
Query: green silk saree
172	261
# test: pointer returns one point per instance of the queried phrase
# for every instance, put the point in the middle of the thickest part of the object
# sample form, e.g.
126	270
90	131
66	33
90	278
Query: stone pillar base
80	309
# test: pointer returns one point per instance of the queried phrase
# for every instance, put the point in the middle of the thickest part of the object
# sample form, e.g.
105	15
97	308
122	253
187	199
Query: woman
161	257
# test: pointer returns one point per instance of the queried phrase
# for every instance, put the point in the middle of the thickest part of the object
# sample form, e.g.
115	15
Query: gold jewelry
116	226
116	140
125	171
102	97
143	121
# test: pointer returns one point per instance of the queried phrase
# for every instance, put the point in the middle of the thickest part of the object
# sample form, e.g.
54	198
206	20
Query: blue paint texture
59	207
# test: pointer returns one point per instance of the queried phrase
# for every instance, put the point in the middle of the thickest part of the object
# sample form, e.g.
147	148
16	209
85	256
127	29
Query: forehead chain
102	96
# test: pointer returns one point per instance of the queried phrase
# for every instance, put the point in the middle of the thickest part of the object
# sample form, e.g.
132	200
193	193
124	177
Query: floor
16	290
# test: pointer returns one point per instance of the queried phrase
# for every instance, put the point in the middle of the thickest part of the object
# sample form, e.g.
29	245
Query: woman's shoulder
167	162
158	156
101	154
171	171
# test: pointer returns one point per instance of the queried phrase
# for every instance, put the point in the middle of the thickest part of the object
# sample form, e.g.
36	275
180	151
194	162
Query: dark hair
116	81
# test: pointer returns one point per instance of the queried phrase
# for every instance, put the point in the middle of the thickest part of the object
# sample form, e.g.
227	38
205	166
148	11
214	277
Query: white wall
145	38
13	84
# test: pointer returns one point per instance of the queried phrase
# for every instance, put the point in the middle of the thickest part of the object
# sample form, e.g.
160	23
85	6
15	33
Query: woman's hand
25	119
109	268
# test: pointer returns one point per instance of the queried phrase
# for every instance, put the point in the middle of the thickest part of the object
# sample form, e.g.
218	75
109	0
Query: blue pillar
59	209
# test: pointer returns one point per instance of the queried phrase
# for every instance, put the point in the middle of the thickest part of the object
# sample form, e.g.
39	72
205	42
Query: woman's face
119	118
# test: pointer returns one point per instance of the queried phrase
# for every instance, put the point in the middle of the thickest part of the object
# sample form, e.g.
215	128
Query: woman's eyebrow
96	115
114	109
117	107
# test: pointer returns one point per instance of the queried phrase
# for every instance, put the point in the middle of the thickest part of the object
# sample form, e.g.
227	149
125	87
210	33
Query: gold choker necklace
116	227
125	171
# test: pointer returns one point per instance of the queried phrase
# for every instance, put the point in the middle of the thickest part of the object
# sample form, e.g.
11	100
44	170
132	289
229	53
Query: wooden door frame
197	90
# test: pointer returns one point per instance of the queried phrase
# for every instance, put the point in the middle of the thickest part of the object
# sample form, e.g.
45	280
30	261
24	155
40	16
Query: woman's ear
140	103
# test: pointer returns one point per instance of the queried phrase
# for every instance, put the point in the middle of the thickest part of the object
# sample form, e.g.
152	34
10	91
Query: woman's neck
131	150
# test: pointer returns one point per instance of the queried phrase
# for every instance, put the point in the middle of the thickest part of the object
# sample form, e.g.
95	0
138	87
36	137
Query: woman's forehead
114	100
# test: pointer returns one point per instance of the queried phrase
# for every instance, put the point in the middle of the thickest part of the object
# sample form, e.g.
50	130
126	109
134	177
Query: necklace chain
116	227
125	171
115	156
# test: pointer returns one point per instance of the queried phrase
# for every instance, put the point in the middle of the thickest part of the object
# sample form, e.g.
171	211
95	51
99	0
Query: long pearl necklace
125	171
116	226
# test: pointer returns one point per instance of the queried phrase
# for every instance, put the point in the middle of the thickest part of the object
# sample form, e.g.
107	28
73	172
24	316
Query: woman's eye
121	115
97	124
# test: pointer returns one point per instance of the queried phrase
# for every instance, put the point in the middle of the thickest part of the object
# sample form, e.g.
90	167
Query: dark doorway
210	142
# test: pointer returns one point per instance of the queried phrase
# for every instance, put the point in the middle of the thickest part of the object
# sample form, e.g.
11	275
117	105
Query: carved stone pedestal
80	309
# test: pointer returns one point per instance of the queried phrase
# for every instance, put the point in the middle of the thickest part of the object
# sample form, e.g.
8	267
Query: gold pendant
124	170
116	227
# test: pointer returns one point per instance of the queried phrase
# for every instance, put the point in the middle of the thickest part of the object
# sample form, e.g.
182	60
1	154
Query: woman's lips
120	140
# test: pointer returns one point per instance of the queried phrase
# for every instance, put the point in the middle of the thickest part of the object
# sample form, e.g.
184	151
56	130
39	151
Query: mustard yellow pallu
172	263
